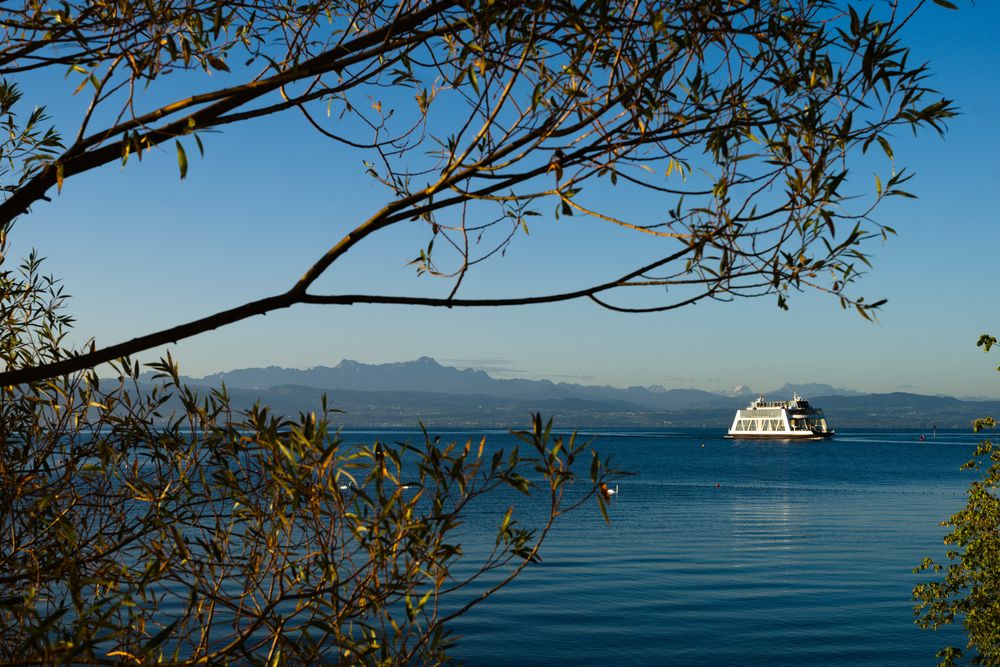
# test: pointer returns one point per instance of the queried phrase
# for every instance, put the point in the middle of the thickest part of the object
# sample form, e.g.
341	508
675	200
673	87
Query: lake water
802	555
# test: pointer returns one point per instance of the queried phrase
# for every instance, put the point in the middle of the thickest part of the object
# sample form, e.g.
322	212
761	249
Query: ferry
780	420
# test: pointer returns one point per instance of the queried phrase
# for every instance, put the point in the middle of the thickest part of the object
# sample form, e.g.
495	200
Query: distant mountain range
398	394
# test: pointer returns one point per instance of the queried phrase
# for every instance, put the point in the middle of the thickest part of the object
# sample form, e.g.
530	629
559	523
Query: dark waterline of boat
730	552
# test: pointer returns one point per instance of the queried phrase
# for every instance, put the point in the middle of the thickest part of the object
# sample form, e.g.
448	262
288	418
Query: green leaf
473	79
506	519
160	637
218	63
182	160
885	146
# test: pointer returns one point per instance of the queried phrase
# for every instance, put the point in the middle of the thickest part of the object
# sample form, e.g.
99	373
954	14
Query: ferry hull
777	435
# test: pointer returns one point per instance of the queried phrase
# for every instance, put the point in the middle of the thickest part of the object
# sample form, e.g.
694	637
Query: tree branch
292	297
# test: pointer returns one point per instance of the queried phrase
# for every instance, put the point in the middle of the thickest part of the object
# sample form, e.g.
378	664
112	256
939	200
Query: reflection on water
765	525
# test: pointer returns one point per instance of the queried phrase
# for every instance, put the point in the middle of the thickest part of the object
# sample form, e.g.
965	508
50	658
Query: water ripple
801	556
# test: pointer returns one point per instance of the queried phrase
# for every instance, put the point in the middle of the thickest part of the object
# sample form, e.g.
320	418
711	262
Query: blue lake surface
802	555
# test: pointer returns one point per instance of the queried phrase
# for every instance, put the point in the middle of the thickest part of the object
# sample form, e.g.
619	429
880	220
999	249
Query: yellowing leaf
182	160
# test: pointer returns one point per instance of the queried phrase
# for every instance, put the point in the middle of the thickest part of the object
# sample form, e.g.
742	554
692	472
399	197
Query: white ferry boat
780	420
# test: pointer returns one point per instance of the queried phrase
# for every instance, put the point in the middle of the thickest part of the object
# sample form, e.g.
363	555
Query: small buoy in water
717	485
922	438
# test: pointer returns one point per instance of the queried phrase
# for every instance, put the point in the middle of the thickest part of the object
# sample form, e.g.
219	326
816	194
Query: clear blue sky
140	250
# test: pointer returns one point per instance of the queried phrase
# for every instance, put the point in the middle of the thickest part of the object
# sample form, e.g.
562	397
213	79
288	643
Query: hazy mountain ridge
427	375
401	394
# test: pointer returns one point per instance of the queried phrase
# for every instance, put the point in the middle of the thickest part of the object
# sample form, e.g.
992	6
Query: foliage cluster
136	532
970	589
